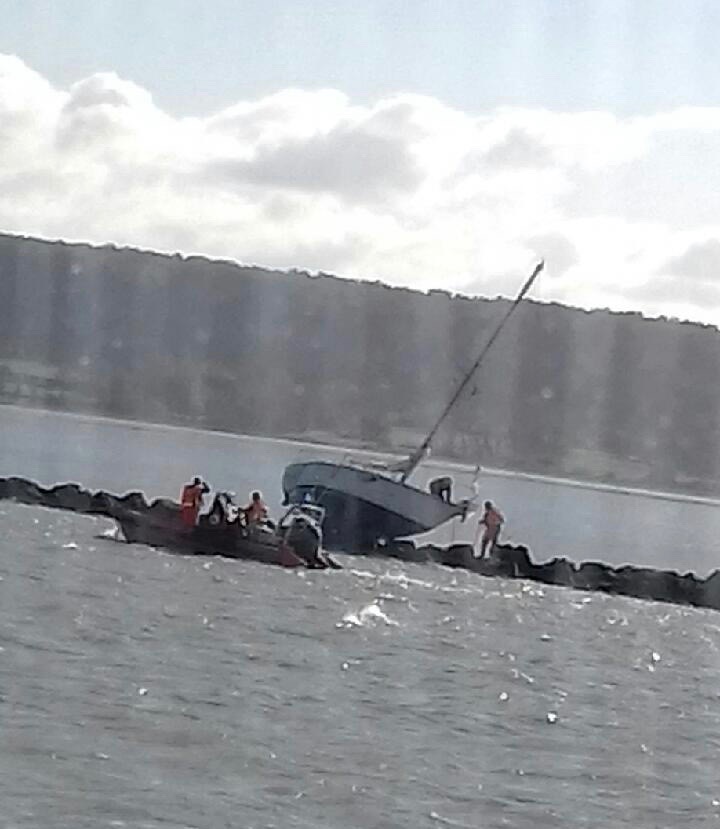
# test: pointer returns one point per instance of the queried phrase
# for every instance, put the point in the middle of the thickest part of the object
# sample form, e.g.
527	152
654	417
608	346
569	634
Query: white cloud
405	189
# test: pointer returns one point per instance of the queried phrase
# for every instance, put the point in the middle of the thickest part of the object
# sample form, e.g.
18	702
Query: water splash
368	615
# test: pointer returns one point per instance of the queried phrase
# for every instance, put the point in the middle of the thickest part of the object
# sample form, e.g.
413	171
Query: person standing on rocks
492	519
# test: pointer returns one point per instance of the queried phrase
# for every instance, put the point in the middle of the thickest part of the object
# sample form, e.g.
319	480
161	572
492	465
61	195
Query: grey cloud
518	149
94	92
397	118
87	127
347	162
278	207
31	182
676	181
692	278
557	250
700	262
97	110
673	290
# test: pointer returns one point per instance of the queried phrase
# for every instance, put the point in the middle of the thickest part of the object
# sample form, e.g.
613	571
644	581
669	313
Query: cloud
105	114
683	284
557	249
699	263
518	149
24	91
287	114
689	279
405	188
28	110
348	161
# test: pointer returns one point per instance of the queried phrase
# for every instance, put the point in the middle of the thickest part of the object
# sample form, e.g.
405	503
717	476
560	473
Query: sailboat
366	506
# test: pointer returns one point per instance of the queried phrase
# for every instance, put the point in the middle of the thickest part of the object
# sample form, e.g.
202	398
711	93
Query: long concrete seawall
512	562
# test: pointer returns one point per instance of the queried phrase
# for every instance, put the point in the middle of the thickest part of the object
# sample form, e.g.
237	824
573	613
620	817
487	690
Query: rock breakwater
507	561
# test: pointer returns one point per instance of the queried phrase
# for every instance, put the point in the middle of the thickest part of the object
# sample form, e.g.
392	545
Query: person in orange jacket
191	501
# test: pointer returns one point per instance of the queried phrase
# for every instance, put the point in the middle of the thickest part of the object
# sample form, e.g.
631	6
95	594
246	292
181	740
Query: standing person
493	520
191	501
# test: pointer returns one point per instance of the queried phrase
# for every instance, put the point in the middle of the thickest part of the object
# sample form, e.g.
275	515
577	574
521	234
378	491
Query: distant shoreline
446	464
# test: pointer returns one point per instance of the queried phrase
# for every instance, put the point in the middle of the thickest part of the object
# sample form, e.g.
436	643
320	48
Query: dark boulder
494	566
657	585
25	492
134	501
102	504
164	509
558	571
457	555
635	581
709	591
431	552
592	575
689	589
506	561
403	549
69	497
515	558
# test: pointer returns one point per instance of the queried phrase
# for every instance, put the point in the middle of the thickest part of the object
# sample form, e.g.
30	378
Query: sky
429	144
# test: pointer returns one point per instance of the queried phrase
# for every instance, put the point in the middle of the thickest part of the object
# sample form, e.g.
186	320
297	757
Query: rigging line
416	457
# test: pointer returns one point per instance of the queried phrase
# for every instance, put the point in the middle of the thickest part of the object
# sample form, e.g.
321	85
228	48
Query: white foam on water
460	589
364	574
369	614
404	580
396	578
448	821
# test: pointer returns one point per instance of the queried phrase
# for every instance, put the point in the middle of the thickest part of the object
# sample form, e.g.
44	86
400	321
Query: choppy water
581	524
143	689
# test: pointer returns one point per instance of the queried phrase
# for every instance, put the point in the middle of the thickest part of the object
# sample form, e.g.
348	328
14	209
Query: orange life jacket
190	502
190	496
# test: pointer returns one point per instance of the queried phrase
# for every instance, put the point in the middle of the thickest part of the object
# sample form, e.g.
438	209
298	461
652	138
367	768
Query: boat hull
363	506
227	541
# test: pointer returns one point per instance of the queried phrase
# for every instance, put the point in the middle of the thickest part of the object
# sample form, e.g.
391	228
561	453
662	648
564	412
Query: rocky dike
507	561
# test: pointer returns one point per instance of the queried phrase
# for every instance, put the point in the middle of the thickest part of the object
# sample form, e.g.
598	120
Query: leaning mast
418	455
